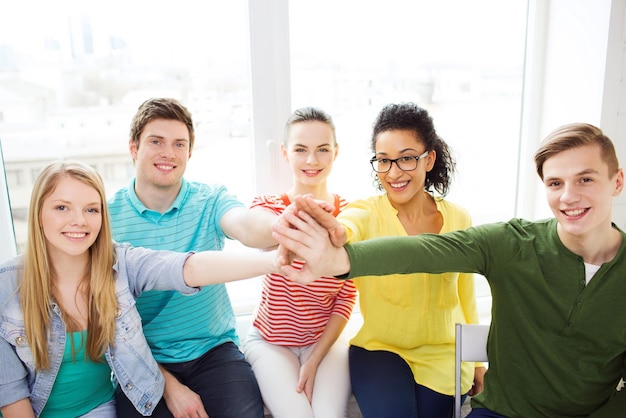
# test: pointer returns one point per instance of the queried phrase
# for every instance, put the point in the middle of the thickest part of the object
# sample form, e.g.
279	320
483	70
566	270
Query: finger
302	226
302	276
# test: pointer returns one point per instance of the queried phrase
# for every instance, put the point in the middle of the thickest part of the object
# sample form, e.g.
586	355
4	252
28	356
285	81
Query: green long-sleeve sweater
557	347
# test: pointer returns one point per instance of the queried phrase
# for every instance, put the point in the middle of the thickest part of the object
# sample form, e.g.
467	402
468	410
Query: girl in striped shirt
294	348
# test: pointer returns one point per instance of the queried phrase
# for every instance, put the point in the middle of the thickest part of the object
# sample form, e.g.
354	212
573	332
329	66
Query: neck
595	248
70	270
319	192
157	198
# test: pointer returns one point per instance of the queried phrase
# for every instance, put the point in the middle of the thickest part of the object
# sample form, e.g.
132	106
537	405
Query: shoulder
10	274
203	192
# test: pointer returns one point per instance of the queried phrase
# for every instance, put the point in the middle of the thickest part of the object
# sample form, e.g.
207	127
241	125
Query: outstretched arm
211	267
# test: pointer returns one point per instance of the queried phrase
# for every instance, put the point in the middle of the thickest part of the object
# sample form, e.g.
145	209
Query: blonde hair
35	288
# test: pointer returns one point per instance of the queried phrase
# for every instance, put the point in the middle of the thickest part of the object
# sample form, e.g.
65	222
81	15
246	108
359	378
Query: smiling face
579	189
310	151
403	187
71	218
162	154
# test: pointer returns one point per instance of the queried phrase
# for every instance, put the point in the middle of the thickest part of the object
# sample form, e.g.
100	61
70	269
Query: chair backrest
471	345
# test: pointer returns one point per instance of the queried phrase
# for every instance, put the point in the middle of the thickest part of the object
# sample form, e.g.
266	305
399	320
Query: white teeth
165	167
398	185
574	212
75	234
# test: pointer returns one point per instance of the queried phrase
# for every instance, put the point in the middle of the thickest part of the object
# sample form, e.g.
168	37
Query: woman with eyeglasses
294	345
402	358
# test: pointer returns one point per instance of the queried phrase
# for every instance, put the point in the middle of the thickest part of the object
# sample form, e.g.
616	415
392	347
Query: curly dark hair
410	117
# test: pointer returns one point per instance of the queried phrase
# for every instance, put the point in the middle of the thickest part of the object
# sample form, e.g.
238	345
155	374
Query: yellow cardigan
412	315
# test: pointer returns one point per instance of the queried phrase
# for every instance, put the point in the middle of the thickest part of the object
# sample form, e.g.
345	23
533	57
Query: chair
471	345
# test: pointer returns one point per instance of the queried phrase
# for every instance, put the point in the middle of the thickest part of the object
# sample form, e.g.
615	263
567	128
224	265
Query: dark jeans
384	386
223	379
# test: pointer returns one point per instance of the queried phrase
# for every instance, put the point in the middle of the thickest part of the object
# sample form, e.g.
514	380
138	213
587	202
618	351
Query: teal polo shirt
179	327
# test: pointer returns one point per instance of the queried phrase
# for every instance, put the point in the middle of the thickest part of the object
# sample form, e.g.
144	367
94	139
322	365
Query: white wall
575	67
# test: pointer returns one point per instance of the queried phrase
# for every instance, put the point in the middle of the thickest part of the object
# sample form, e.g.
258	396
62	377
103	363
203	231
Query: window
72	77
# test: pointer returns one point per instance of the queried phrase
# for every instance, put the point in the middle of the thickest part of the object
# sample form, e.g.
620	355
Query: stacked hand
309	232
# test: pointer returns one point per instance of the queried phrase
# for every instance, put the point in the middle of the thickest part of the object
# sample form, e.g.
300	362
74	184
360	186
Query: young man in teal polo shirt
193	338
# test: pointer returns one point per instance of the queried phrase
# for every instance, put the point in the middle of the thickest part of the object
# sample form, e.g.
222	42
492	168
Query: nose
311	158
394	170
78	218
167	152
569	193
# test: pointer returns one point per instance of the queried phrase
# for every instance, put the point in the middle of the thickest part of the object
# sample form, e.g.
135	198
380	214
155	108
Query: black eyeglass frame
391	161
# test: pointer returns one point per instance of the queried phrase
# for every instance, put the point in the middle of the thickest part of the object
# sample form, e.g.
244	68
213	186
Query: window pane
72	78
462	61
73	74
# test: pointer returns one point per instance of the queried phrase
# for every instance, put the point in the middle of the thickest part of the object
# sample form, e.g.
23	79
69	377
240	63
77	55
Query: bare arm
251	227
211	267
19	409
308	370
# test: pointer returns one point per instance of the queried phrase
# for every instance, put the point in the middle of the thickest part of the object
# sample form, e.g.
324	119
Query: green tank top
81	384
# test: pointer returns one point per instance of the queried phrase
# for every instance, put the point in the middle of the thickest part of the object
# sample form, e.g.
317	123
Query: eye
383	160
553	183
406	159
93	210
299	150
181	145
61	207
586	180
155	141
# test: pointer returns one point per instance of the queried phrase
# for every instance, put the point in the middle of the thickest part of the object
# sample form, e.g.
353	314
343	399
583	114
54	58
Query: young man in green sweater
557	343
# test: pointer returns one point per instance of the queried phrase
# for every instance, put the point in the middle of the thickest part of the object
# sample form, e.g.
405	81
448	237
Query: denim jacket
136	371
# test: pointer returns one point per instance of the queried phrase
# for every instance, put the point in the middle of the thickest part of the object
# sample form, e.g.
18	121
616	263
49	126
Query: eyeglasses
406	163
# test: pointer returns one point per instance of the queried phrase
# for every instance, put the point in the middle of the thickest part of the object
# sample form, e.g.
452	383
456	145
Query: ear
619	182
133	149
430	160
283	151
336	151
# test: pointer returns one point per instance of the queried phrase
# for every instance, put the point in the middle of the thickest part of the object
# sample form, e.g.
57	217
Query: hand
180	400
318	211
306	380
479	381
309	242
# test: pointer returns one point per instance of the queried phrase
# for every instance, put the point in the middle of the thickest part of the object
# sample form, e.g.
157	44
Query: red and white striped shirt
293	314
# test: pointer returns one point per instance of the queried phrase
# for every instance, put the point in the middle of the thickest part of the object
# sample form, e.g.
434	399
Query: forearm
332	331
424	253
211	267
19	409
251	227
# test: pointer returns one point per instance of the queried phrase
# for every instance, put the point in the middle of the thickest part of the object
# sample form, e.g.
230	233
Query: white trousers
277	370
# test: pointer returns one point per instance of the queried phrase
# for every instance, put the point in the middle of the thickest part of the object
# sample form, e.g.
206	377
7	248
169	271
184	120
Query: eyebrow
401	151
57	201
580	173
304	146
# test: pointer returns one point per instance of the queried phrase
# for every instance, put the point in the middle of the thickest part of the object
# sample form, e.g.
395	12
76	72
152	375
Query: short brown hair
160	108
576	135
